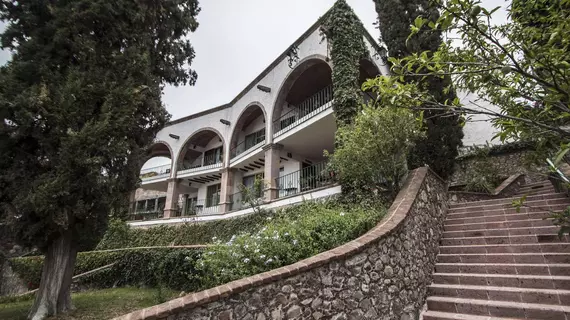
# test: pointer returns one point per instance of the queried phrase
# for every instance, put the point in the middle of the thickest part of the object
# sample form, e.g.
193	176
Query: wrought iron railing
304	111
243	147
146	215
208	161
237	200
155	172
306	179
201	207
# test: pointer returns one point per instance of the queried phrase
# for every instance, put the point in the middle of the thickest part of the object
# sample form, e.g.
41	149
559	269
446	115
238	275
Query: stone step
498	218
524	295
562	257
470	204
438	315
552	269
537	206
504	280
543	221
531	201
533	192
498	308
552	229
507	248
519	239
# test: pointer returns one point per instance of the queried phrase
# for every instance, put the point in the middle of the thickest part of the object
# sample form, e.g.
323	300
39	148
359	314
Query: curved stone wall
384	274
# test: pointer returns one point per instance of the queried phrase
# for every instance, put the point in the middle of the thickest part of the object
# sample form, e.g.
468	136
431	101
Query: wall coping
395	216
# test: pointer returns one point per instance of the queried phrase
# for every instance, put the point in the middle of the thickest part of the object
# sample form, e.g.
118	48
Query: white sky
236	40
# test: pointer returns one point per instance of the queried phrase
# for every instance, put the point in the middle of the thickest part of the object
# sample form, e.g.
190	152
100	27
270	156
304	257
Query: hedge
170	267
119	235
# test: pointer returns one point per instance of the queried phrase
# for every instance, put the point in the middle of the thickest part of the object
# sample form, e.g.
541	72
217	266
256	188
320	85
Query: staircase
497	263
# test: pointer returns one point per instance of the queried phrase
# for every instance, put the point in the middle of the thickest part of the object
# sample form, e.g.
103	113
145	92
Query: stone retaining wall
381	275
508	188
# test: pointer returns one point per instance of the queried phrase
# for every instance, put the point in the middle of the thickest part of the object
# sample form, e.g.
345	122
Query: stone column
184	203
272	164
171	205
227	189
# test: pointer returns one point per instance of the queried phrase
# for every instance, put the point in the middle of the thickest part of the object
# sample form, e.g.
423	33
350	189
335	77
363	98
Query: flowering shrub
289	236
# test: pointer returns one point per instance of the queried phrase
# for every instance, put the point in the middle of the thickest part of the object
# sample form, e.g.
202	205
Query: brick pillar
227	189
272	163
171	205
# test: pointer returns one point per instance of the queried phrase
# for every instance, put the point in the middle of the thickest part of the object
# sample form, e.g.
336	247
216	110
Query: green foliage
297	233
562	219
170	267
186	234
483	175
373	150
344	31
253	196
439	147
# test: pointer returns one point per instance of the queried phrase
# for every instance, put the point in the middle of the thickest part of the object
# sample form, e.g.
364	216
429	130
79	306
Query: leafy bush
372	152
483	176
291	235
171	267
120	235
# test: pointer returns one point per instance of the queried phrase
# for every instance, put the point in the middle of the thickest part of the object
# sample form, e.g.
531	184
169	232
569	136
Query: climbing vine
344	31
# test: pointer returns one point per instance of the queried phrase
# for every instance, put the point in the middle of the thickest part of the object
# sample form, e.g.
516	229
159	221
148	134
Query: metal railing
201	207
237	202
155	172
243	147
306	179
146	215
304	111
203	162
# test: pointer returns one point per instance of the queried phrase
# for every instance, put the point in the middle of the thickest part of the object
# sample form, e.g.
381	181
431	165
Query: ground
95	305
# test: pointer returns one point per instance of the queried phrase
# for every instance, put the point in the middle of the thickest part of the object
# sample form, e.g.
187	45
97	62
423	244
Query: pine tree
443	133
80	102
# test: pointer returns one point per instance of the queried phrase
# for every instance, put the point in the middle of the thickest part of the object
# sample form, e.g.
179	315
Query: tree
439	147
80	102
372	154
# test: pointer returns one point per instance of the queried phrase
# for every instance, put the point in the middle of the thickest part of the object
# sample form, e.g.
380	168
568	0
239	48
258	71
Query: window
213	156
213	195
254	138
141	206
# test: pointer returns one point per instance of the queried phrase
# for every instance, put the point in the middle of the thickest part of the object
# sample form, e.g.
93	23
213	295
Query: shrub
483	176
171	267
371	153
291	235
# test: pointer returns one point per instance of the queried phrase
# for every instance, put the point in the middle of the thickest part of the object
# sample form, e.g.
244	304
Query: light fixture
226	122
173	136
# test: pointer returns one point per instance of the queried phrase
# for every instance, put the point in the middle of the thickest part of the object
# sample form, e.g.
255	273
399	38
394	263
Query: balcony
309	178
155	173
202	163
306	110
201	207
246	145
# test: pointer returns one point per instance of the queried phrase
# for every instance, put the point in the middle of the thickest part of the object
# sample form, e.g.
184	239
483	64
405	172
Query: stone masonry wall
384	274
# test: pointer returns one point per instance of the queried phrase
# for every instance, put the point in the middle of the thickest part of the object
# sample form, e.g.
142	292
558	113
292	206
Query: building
275	129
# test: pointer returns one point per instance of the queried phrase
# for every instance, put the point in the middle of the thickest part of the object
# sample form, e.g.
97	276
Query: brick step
562	257
504	280
438	315
536	207
497	218
548	196
498	308
553	269
520	239
507	248
552	229
531	202
526	223
525	295
533	192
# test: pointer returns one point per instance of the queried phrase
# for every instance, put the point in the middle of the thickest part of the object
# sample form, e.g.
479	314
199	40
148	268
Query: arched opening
203	149
249	131
367	70
307	89
158	163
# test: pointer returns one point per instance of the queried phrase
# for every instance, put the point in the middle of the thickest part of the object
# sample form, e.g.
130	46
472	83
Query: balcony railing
304	111
306	179
207	162
201	207
237	201
146	215
243	147
155	172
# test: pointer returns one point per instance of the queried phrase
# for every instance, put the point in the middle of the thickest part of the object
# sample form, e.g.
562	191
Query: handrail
306	179
241	148
204	162
155	171
306	107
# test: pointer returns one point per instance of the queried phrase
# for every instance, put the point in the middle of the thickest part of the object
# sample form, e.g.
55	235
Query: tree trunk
54	295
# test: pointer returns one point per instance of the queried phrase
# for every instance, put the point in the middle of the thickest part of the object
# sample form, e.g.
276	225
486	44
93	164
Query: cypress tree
80	101
444	133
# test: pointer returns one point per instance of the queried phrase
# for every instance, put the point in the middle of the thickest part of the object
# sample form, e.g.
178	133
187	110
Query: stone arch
249	115
313	73
195	145
159	149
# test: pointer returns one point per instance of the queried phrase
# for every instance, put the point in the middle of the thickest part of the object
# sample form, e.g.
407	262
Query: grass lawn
91	305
